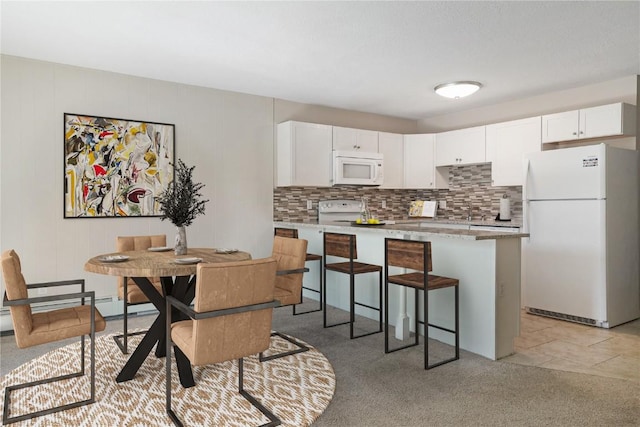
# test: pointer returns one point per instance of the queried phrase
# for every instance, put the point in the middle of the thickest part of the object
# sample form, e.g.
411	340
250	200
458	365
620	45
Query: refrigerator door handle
525	200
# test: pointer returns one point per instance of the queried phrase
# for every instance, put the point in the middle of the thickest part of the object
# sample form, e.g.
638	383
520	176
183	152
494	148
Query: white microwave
357	168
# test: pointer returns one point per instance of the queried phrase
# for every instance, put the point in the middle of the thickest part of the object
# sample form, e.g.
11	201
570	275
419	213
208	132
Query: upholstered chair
290	254
293	233
128	291
230	319
44	327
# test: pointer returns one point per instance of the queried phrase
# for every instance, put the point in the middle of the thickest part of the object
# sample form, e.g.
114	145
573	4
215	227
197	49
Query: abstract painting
115	167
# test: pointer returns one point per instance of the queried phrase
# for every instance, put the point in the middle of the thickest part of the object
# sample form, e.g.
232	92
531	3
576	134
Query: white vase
181	240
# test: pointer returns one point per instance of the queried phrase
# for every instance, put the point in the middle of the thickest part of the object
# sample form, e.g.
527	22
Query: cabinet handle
575	133
355	147
581	132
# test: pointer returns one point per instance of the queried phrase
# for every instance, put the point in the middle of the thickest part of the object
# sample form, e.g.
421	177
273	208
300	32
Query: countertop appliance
339	210
581	259
357	168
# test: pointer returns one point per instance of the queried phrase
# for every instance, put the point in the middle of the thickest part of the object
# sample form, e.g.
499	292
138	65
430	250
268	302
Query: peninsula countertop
418	228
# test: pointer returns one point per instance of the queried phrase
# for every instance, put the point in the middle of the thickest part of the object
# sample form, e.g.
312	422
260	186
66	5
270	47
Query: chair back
138	243
290	254
340	245
286	232
408	254
229	285
16	288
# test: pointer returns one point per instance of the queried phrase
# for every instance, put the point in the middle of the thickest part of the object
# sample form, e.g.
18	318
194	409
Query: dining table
178	278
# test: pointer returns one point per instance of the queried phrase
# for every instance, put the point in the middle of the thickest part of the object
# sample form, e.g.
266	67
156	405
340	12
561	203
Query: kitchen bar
487	263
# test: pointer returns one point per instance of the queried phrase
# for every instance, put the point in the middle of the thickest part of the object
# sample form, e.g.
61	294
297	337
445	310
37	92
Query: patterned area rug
296	388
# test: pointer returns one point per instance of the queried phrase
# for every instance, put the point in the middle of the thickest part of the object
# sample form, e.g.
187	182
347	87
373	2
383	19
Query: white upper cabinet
348	139
461	147
606	120
507	143
391	145
419	163
303	155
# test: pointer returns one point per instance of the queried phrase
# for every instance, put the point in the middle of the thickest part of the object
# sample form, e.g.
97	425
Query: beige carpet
296	388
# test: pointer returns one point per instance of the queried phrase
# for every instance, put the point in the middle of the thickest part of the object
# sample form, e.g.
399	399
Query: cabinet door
507	143
461	147
312	155
348	139
560	126
391	145
303	155
604	120
419	166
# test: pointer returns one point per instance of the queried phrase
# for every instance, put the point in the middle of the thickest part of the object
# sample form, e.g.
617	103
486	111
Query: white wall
227	136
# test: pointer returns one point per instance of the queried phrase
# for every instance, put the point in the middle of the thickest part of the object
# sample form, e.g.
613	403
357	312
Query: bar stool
293	234
344	246
416	256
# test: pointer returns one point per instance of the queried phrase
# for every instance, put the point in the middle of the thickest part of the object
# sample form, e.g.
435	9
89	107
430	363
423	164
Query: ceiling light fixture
457	89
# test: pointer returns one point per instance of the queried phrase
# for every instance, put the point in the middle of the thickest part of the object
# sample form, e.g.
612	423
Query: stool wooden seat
344	246
293	234
415	255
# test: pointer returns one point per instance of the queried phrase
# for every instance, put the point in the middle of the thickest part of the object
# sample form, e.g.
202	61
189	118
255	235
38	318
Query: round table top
158	264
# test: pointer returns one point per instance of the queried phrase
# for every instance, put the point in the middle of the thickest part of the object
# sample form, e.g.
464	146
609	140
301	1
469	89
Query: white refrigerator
581	259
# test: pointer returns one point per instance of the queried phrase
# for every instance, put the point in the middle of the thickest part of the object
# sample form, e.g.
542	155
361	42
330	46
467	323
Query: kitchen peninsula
487	263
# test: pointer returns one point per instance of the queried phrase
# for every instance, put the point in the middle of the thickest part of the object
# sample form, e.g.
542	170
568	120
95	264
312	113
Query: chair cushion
286	297
135	294
60	324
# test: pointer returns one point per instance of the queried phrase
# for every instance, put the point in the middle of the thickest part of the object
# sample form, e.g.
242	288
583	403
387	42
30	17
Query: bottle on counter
365	214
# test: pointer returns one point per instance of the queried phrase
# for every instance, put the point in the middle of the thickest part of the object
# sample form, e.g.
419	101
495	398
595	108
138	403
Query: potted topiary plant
181	203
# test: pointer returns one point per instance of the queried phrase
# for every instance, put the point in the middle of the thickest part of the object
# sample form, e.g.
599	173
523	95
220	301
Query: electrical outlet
309	205
384	204
442	204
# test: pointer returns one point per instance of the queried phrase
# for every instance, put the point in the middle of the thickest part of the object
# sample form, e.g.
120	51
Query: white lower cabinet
507	143
419	163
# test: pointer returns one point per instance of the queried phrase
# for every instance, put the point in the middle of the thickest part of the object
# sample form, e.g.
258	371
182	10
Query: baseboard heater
567	317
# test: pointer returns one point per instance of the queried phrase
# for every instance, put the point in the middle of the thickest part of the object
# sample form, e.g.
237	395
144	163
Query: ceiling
377	57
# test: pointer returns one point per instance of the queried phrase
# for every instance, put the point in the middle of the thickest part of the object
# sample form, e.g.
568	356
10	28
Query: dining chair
293	233
128	291
231	319
416	256
290	256
344	246
32	329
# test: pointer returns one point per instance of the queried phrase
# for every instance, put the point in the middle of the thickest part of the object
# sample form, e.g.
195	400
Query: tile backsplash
468	186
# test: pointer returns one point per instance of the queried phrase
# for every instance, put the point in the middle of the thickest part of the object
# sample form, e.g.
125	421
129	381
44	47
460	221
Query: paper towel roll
505	209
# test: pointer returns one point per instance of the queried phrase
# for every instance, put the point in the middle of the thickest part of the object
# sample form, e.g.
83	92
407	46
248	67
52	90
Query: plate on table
366	224
160	249
113	258
226	251
187	260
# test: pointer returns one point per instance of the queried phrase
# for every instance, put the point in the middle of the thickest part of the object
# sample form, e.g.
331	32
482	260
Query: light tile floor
567	346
